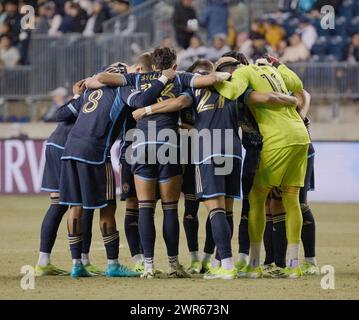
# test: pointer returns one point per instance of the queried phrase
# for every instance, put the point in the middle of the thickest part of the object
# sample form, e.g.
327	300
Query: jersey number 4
92	102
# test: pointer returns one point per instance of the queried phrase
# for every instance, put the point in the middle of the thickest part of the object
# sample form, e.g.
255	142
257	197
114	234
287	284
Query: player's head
227	64
238	56
164	58
142	64
117	67
203	66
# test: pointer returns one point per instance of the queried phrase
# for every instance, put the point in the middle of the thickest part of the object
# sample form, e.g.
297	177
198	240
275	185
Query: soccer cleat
119	270
287	272
93	270
220	273
195	268
273	272
251	272
206	266
139	267
49	270
309	269
267	270
79	271
239	265
177	272
148	274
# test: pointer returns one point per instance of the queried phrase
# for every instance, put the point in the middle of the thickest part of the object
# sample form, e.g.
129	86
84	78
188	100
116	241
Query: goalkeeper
283	158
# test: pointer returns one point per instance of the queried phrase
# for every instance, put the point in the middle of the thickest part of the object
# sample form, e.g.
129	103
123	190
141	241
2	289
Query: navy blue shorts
210	185
309	182
149	168
250	166
52	170
128	189
189	179
87	185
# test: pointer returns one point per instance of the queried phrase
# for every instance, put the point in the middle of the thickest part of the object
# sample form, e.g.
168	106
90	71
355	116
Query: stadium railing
60	61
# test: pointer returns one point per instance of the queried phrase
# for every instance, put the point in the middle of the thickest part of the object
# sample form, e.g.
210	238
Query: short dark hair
238	56
164	58
203	64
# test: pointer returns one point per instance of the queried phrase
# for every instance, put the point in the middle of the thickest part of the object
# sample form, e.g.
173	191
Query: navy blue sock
75	241
50	225
146	226
268	241
308	232
279	240
131	231
221	232
87	219
229	216
171	227
112	244
209	244
191	224
243	235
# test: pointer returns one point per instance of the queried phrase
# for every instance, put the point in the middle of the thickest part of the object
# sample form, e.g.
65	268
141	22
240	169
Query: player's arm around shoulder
165	106
291	79
272	99
233	88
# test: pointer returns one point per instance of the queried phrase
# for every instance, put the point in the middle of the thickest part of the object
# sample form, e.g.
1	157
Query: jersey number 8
92	102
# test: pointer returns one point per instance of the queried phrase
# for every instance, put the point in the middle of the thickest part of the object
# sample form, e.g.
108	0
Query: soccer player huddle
179	133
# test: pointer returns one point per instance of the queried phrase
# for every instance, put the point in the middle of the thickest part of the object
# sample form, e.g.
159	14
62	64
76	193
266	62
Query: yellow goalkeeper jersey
280	126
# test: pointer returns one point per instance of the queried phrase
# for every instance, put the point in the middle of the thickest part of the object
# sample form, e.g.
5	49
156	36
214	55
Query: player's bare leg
170	191
146	194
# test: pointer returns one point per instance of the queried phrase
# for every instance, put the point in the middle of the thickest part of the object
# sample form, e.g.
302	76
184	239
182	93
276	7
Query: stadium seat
340	27
346	9
320	46
12	119
290	25
337	47
320	31
24	119
354	26
356	9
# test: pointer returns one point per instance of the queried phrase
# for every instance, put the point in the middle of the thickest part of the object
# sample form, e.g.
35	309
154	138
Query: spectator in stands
353	55
259	46
49	21
219	47
13	18
185	22
167	42
128	24
9	54
243	44
273	33
78	18
308	32
215	18
195	51
296	51
2	13
99	15
5	28
58	99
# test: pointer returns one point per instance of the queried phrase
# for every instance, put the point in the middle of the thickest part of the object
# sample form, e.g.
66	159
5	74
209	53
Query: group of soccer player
152	108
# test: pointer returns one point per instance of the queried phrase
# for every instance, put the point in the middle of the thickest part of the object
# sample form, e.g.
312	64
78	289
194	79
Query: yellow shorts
282	167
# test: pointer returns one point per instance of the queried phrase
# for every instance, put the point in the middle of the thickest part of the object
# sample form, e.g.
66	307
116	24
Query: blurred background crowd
293	32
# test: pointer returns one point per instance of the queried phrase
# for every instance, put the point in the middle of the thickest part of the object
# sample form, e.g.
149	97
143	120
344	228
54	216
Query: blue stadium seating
320	46
337	47
354	26
340	27
346	9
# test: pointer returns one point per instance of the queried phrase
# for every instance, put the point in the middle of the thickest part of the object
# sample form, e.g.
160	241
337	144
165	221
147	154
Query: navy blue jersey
251	136
214	112
98	124
130	123
172	89
59	136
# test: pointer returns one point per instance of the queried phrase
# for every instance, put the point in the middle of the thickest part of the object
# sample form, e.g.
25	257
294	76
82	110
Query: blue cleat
119	270
79	271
